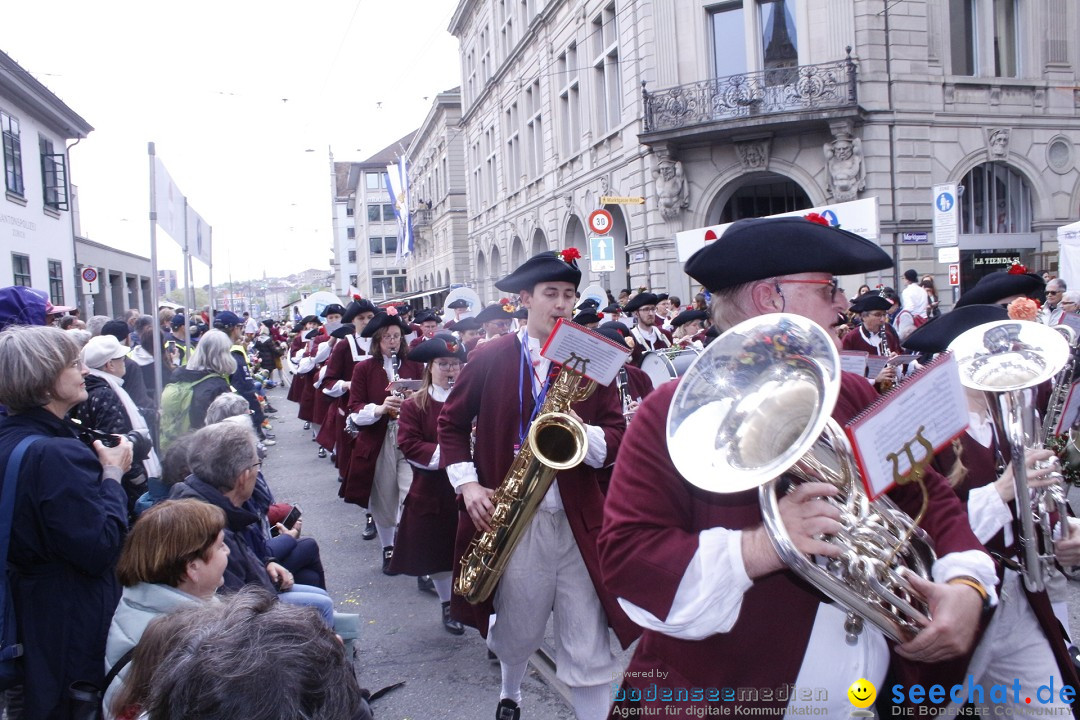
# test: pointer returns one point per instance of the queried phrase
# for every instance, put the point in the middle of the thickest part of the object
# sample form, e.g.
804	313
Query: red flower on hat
600	315
569	255
1018	269
504	301
451	346
816	218
357	296
391	311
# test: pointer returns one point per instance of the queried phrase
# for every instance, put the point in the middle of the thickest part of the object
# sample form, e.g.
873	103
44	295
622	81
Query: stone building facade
716	111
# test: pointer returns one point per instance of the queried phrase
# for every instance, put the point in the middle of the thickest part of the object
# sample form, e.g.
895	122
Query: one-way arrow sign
601	253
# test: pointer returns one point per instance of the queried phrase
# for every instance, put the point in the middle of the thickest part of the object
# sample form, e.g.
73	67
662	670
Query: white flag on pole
168	203
198	237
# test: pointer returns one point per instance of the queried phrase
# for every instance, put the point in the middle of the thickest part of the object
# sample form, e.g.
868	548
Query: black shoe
387	553
271	410
322	452
307	425
493	657
333	458
507	710
449	624
369	529
425	585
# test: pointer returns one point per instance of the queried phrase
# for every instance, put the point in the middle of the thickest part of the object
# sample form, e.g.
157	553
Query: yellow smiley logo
862	693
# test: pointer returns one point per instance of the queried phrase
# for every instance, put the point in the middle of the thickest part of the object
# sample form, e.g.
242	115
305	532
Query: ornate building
717	111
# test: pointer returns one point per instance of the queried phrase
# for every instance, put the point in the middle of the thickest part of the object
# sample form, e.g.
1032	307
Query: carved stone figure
997	143
672	191
844	160
753	155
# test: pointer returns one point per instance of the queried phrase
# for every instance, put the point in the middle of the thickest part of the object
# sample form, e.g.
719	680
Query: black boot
449	624
369	528
387	553
425	585
507	710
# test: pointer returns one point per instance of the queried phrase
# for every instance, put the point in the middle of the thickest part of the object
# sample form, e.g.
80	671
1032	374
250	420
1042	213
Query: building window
13	174
20	269
477	194
470	74
506	14
349	211
485	56
381	285
1005	39
399	284
569	103
605	63
962	36
534	131
729	39
53	175
352	256
350	233
995	199
56	282
513	149
388	214
390	245
375	245
373	213
352	280
490	146
375	181
970	23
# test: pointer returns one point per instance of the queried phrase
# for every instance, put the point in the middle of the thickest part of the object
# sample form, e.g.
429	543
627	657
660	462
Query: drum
664	365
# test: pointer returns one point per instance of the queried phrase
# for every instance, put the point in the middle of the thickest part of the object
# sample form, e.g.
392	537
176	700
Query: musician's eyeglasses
448	365
832	283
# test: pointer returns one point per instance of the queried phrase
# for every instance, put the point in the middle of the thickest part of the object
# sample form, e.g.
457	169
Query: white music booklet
601	357
909	425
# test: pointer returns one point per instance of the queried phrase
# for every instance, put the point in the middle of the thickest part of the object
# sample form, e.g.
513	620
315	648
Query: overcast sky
234	94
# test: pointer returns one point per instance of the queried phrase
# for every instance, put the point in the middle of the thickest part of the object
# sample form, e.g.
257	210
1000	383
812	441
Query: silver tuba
1008	360
756	405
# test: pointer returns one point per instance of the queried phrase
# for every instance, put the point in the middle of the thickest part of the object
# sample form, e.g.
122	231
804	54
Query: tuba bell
1007	360
756	406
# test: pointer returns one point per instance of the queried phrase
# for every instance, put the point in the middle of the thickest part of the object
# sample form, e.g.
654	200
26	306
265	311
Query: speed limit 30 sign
600	222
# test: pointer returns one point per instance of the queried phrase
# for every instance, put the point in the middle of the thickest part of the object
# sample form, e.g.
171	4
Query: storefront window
995	199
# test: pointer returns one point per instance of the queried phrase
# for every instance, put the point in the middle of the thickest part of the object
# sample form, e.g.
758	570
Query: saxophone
556	441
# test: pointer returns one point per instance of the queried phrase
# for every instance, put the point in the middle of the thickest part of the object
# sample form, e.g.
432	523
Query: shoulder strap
7	510
115	669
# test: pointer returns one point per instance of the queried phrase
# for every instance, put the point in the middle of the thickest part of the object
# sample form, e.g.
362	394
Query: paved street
402	638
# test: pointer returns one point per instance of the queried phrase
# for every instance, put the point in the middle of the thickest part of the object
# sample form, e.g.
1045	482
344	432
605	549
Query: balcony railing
768	92
421	218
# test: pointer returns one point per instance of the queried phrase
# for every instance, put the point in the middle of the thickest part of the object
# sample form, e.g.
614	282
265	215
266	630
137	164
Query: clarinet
395	365
624	393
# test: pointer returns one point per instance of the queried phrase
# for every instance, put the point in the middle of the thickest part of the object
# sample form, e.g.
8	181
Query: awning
413	296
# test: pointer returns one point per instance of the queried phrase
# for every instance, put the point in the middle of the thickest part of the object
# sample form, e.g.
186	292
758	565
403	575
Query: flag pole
210	285
154	273
189	292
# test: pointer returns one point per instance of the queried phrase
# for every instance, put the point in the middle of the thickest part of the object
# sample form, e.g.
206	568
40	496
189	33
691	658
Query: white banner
857	216
168	203
198	238
1068	237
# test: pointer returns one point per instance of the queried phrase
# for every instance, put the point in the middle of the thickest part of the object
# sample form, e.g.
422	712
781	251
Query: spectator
210	365
225	468
69	521
256	659
175	555
174	469
96	323
135	385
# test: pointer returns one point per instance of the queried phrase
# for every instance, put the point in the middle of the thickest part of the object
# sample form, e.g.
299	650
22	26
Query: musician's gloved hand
1067	549
478	504
806	516
1005	486
956	610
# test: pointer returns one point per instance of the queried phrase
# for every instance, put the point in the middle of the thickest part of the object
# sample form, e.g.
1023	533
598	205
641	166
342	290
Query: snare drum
664	365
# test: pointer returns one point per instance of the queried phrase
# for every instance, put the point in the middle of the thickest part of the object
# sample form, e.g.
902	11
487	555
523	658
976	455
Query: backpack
11	650
176	410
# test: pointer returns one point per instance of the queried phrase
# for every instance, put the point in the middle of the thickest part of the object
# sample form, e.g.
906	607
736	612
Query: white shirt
915	299
251	327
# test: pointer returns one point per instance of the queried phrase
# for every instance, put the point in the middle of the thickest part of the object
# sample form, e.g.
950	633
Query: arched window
761	196
995	199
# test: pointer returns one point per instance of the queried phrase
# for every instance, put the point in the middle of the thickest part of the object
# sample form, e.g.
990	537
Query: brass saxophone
556	441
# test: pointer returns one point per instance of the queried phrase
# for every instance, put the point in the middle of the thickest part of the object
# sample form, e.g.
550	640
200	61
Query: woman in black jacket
210	365
69	521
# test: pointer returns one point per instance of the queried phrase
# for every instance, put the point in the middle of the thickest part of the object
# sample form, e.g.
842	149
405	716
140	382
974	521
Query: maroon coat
296	388
486	390
368	385
339	366
639	349
854	340
322	400
307	400
650	533
425	535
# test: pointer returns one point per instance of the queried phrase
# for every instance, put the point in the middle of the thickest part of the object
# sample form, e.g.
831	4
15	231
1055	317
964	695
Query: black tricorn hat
332	309
313	333
459	304
660	297
613	308
545	267
356	307
311	319
427	316
998	286
688	316
382	320
641	300
869	301
762	248
589	303
586	317
343	330
493	312
614	334
268	323
435	347
522	313
469	323
935	336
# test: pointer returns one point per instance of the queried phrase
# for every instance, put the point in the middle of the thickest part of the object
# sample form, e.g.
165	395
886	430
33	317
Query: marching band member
555	565
1001	288
319	402
1023	639
588	318
648	335
633	382
874	335
688	325
612	313
426	532
429	324
460	307
299	353
379	477
468	332
698	570
496	319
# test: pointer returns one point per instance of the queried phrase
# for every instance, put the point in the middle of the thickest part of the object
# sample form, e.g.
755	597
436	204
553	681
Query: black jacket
245	566
67	531
103	410
202	394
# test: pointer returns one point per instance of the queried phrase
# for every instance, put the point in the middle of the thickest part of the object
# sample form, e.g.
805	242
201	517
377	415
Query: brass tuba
1008	360
556	441
756	406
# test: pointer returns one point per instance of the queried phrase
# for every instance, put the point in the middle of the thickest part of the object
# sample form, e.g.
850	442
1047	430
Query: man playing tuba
698	570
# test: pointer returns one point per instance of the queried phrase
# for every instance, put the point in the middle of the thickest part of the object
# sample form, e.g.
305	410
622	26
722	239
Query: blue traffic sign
944	202
602	253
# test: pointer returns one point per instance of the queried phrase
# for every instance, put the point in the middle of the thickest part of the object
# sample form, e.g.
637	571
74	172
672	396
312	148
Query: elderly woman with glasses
1070	301
425	539
68	522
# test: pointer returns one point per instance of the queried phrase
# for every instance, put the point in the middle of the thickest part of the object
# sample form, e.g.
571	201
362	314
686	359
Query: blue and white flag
398	181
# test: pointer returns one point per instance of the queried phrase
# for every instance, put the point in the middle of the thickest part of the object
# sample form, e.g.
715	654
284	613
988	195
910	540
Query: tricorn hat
546	267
